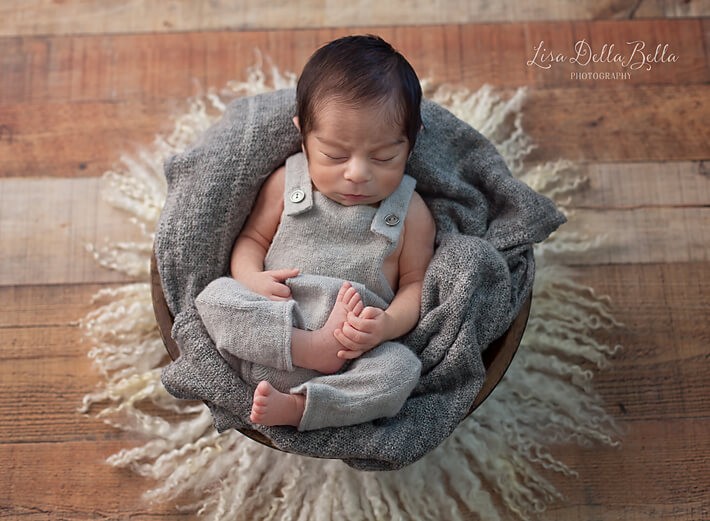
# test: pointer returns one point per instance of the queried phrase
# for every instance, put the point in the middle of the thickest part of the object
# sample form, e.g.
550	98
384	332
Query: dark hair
357	69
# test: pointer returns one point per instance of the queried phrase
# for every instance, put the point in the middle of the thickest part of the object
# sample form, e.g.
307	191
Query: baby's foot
324	347
272	407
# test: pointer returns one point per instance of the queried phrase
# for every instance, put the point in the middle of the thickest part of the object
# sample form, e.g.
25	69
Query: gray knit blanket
480	275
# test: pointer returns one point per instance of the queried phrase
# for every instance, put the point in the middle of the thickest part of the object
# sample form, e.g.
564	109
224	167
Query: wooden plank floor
83	82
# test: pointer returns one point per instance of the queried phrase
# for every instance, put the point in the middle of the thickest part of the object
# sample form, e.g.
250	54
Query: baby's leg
248	326
376	385
245	325
311	349
319	349
272	407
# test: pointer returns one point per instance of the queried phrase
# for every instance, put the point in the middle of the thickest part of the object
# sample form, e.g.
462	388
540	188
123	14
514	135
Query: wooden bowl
496	358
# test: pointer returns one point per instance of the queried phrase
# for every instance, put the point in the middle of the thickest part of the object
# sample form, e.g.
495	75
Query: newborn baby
328	269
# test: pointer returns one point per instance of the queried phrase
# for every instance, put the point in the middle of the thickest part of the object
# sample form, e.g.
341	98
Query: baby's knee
407	367
412	364
405	372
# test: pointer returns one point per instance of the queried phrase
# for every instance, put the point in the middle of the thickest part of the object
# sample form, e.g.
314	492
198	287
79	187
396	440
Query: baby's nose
358	171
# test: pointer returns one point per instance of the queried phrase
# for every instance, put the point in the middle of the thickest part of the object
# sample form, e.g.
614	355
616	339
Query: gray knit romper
329	243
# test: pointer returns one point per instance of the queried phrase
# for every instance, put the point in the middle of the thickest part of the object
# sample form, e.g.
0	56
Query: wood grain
66	216
44	376
82	82
642	235
44	368
157	66
670	223
78	139
671	8
639	124
70	480
94	491
665	309
648	51
645	123
42	306
103	95
76	17
625	186
633	482
655	387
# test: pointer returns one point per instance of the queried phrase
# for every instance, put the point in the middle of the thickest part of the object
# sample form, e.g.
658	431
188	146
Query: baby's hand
362	332
270	283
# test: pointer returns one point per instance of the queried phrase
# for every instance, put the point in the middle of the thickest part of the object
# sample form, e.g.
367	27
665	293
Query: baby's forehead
329	100
333	112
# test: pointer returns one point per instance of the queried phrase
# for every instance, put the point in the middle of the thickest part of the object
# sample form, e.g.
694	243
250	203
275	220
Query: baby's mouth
355	197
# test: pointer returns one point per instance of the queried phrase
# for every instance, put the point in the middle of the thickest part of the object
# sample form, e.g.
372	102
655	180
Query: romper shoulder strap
389	219
298	193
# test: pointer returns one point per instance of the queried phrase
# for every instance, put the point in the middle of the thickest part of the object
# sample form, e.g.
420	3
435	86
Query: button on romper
329	243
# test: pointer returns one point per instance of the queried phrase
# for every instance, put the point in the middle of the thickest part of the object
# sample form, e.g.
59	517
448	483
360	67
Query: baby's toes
257	413
353	302
357	309
262	392
344	288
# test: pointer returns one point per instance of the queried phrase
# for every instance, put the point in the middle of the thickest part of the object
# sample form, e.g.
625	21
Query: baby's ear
298	126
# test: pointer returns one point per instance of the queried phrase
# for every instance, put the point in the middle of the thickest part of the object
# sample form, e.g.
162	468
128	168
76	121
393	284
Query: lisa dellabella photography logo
635	55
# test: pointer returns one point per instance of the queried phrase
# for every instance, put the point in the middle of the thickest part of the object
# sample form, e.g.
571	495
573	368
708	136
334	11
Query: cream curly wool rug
492	466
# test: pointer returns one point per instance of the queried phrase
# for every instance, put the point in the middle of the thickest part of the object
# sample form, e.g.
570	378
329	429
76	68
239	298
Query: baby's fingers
283	274
358	336
345	341
349	354
359	323
279	291
370	312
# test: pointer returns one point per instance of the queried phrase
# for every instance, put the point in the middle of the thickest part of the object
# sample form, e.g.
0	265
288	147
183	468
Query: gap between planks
119	16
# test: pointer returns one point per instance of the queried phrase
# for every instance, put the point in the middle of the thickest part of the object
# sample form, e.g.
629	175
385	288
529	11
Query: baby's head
359	71
358	111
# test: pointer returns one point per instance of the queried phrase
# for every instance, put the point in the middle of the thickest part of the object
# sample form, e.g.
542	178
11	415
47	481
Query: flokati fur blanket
481	273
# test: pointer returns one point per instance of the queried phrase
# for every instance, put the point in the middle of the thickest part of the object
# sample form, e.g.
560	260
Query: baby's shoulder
418	212
276	179
419	225
273	188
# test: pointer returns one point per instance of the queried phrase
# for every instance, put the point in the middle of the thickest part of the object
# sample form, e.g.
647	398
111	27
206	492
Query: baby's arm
249	252
372	325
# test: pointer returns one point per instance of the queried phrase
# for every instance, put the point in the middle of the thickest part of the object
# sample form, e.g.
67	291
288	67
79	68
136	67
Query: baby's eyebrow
328	142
